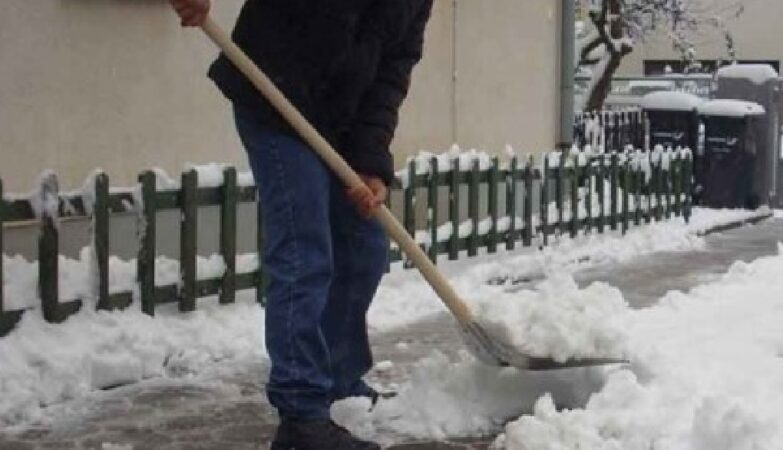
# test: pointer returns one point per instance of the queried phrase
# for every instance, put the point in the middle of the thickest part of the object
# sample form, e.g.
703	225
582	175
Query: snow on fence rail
578	192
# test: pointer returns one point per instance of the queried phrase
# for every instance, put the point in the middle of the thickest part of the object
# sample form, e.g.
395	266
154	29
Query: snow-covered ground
401	299
706	374
45	364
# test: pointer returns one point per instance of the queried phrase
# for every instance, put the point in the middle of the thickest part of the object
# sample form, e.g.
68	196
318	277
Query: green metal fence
467	208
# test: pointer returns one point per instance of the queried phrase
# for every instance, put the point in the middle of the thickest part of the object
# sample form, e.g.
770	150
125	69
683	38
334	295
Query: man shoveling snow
347	67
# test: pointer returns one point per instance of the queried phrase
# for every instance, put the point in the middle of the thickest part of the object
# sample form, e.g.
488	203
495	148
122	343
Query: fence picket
613	194
409	203
637	192
575	173
543	211
668	185
658	188
101	240
687	188
601	180
511	203
48	251
432	205
454	209
588	176
147	249
473	208
560	179
676	182
228	235
188	241
8	319
626	194
529	230
492	193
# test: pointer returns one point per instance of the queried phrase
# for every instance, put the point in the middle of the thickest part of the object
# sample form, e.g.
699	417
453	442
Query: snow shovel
489	350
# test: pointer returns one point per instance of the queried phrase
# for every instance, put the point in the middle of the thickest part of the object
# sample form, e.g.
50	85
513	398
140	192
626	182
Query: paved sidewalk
645	280
225	408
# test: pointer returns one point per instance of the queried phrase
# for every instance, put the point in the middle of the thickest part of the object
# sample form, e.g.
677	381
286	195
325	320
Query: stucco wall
756	34
117	84
507	74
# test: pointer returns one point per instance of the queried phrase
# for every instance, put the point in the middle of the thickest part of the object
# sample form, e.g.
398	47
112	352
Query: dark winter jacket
346	64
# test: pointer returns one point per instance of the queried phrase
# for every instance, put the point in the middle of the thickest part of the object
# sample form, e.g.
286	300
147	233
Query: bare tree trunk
610	14
602	88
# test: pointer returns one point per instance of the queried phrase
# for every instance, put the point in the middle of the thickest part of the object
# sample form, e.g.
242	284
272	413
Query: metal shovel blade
494	352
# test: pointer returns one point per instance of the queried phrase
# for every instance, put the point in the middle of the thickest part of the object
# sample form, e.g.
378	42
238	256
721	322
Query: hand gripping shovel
478	340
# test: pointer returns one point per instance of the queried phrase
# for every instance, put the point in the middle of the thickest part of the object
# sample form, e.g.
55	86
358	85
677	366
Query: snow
688	387
384	366
21	276
757	73
558	320
402	299
96	350
662	84
706	375
425	161
163	182
671	101
44	200
731	108
100	349
209	175
445	398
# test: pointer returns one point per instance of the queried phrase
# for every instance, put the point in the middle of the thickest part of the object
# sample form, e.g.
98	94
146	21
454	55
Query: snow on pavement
401	298
46	364
706	375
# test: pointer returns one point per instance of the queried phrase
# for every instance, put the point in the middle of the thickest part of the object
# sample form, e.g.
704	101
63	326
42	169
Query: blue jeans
324	263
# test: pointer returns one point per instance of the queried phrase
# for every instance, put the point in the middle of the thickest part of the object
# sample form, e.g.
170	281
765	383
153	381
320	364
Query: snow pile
706	376
757	73
445	398
96	350
558	320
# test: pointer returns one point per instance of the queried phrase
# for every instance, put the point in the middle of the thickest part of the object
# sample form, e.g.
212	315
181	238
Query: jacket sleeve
367	144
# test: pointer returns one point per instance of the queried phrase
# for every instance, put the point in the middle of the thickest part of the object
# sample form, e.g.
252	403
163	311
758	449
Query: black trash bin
727	169
673	119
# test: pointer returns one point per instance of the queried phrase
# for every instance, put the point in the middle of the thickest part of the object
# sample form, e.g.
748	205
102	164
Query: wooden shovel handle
321	146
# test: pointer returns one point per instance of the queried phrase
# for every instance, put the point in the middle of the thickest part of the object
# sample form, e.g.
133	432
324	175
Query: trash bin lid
757	73
671	101
731	108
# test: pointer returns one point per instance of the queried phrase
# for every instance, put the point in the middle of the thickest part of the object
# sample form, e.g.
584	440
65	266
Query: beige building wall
507	74
117	84
757	35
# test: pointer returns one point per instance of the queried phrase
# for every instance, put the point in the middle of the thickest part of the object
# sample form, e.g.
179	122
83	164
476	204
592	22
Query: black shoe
362	389
317	435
